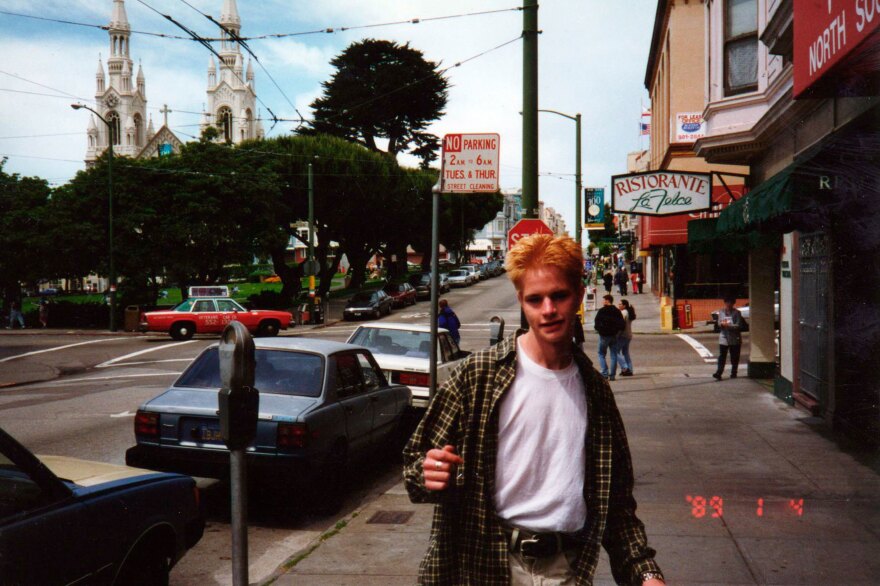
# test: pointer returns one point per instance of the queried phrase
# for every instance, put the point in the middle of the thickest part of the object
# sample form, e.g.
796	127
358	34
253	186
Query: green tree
383	90
24	243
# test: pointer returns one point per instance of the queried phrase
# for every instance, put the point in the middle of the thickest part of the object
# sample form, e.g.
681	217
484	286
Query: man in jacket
524	452
609	323
447	319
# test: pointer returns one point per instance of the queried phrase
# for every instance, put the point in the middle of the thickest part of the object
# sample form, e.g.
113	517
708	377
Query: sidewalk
734	487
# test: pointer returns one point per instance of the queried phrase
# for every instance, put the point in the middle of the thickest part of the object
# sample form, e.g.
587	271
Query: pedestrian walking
608	280
634	279
621	279
609	323
641	281
446	318
730	323
15	316
625	337
44	312
514	440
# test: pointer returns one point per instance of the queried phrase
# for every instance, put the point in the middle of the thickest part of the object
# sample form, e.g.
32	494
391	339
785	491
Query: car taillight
418	379
293	435
146	424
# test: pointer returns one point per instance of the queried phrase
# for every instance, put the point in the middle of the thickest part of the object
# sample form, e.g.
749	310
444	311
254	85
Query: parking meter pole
238	403
435	284
238	498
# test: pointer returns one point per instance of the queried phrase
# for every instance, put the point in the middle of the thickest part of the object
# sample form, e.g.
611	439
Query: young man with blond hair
524	452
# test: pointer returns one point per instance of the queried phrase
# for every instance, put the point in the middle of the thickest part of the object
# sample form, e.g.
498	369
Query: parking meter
238	400
496	329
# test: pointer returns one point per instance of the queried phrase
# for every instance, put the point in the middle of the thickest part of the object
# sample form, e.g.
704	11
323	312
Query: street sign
526	227
470	163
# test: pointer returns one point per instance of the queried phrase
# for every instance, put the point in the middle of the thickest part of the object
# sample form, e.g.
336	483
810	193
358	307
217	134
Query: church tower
231	92
121	100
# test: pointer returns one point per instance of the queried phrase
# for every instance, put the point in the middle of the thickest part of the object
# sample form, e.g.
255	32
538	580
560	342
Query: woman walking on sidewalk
625	337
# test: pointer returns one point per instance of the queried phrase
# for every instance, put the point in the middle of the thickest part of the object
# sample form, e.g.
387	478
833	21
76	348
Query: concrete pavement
734	487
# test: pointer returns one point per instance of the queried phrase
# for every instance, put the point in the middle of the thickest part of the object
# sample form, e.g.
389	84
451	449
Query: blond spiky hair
545	250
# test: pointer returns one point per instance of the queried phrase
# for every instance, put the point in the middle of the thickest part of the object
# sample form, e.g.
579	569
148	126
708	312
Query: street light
110	199
577	172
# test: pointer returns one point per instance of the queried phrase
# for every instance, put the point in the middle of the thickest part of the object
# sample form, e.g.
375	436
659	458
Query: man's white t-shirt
542	426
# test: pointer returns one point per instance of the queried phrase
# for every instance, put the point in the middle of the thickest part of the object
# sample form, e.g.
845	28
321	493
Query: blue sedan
69	521
321	404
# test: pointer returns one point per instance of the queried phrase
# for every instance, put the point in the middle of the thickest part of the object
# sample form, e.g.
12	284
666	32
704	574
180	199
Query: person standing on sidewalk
446	318
15	316
609	323
524	453
608	280
730	323
625	337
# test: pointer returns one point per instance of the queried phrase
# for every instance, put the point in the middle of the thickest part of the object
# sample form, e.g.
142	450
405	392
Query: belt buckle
529	542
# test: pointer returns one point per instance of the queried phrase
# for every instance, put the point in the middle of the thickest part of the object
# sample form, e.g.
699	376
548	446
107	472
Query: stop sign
526	227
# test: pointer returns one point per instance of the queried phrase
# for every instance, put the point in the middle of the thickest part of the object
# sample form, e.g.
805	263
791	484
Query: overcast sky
592	61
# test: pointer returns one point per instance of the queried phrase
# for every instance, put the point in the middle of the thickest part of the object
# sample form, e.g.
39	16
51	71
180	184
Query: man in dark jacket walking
609	322
447	319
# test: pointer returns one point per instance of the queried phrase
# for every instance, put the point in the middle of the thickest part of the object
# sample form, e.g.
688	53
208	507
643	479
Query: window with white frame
740	46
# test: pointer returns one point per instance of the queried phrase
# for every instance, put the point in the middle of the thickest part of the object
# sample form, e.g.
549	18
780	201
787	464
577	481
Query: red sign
826	31
470	163
525	228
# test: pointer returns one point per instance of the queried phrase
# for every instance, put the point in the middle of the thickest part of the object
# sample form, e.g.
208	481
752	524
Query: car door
356	403
228	310
207	319
448	358
382	398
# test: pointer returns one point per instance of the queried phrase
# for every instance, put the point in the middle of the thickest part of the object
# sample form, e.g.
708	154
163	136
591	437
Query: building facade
122	99
675	79
491	240
792	91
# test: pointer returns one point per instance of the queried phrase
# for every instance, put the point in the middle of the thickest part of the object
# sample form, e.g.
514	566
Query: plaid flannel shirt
468	545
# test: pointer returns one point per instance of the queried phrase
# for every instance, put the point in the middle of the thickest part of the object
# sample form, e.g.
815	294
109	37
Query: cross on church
165	111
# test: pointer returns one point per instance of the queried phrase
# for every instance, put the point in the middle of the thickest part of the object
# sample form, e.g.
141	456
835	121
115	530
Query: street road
91	385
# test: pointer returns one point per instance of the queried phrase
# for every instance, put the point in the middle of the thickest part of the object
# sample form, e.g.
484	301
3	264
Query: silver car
322	404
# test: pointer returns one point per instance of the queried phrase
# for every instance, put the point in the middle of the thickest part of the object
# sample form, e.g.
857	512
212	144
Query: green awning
705	237
769	200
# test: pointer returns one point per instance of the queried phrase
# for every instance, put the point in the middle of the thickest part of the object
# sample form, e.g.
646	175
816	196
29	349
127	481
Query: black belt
538	545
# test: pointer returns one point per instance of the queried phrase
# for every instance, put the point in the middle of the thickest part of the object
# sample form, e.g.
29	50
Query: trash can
132	318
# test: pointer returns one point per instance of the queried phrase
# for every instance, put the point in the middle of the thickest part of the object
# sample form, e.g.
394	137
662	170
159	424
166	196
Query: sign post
469	165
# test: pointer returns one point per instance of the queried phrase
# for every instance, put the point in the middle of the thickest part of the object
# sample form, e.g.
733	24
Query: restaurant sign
661	193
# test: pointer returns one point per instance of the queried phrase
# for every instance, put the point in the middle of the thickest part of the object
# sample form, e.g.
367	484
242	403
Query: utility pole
530	110
579	228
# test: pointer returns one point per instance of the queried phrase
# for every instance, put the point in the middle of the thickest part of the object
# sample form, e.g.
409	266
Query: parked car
368	303
69	521
401	294
460	278
445	287
746	313
485	273
473	270
403	351
210	315
322	404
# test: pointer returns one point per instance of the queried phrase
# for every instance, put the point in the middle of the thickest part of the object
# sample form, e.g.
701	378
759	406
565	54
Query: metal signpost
469	165
238	405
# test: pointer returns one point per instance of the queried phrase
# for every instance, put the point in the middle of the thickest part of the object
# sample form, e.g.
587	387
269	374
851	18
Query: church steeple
141	84
100	78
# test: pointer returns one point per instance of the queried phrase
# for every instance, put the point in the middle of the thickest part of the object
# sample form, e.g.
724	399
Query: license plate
210	433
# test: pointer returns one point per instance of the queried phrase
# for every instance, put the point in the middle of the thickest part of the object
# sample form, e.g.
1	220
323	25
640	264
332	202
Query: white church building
231	96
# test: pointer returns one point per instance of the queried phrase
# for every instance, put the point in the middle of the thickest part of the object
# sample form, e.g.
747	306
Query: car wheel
148	565
182	331
377	314
268	329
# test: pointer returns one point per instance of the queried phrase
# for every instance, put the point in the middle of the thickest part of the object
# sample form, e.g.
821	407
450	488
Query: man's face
550	303
606	302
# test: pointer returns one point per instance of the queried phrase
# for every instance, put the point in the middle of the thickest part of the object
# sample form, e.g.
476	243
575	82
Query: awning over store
705	237
771	199
480	244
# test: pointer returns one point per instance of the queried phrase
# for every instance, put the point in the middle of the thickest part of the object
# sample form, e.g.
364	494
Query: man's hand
439	467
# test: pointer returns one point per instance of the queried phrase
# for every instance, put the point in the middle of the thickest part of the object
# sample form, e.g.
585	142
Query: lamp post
577	172
110	198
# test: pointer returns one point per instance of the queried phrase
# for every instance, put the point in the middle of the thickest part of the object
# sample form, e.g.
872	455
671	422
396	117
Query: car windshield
185	306
278	371
458	274
363	297
396	342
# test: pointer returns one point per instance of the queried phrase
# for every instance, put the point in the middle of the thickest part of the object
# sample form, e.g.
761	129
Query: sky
592	59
